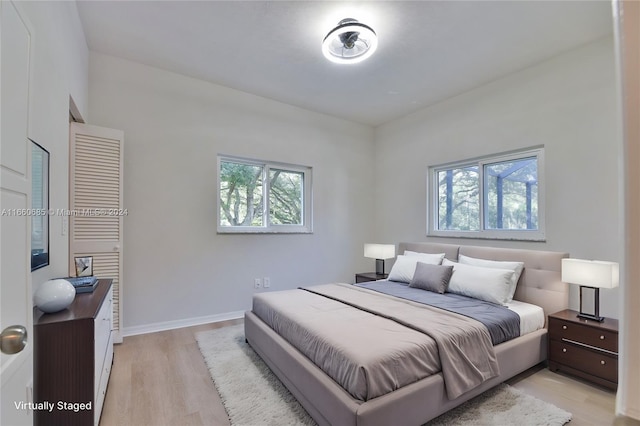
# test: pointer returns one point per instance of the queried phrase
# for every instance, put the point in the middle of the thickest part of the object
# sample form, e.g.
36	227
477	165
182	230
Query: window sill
227	231
534	236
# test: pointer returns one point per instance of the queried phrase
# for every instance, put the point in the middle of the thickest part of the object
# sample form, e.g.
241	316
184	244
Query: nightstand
363	277
584	348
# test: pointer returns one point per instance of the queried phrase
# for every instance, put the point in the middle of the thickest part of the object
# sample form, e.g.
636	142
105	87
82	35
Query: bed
416	402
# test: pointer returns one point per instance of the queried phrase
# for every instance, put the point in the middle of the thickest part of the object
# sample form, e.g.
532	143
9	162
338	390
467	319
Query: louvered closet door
96	221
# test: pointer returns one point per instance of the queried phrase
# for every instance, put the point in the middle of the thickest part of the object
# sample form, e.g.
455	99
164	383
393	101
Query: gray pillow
431	277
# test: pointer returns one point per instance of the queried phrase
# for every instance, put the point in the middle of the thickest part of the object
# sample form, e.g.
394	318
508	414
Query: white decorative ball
54	295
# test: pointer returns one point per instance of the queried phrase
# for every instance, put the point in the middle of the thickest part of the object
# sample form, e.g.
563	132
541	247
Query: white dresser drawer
102	334
103	381
103	341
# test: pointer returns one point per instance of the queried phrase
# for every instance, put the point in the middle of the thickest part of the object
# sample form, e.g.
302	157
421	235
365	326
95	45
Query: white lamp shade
591	273
380	251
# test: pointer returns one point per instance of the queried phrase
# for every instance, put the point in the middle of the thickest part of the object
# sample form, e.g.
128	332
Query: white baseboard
171	325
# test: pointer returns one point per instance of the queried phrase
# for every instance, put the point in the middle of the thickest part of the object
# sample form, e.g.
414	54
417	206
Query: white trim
187	322
627	43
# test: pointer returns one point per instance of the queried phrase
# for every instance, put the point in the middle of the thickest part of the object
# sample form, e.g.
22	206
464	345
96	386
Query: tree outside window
263	196
492	197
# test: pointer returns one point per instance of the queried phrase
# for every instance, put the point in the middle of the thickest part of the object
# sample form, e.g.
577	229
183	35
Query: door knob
13	339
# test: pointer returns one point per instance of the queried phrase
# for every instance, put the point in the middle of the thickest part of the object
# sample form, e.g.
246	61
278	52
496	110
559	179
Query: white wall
176	267
60	70
568	104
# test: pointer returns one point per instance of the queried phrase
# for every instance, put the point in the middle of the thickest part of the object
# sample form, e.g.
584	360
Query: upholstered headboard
540	282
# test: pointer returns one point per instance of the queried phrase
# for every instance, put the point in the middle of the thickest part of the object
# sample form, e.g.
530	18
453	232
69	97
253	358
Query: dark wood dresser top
84	306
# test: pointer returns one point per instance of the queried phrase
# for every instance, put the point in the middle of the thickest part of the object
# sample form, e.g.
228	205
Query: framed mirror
39	206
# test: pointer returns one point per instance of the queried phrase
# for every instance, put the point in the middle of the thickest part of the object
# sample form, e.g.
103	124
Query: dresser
584	348
73	353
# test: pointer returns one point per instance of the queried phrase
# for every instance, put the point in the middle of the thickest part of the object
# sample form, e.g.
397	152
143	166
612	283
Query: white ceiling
428	50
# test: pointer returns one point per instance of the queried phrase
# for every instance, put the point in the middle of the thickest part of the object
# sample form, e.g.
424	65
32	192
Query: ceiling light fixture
350	42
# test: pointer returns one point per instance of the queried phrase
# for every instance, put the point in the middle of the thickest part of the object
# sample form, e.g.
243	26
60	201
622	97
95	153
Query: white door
96	198
16	370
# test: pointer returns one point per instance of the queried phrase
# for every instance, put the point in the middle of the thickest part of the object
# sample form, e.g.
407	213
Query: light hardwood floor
161	379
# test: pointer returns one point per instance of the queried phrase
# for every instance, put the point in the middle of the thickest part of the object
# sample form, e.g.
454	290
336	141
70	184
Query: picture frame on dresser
84	266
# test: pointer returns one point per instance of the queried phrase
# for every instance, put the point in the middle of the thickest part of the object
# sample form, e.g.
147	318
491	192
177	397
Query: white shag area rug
253	395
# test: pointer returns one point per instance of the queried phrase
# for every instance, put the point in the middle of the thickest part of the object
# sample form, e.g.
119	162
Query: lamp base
380	266
596	315
590	317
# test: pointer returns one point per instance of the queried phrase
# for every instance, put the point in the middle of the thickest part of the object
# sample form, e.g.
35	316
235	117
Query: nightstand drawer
599	364
585	334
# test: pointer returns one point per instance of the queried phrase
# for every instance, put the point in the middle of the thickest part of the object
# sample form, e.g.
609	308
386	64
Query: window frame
268	228
483	232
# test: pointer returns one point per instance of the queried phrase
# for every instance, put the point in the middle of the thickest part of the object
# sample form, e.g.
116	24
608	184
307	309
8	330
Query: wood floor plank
161	379
589	404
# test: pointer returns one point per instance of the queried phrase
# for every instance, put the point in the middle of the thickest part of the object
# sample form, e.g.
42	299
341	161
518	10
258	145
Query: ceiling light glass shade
350	42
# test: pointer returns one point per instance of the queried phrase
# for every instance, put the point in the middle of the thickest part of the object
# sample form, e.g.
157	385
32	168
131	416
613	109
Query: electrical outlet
257	283
267	282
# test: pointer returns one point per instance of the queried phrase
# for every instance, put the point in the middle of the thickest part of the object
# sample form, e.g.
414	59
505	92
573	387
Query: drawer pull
602	362
564	349
564	327
584	345
602	337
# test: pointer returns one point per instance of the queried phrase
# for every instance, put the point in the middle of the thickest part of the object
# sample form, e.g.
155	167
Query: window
492	197
260	196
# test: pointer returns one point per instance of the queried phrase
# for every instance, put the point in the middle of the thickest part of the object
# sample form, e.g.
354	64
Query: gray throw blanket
503	324
464	345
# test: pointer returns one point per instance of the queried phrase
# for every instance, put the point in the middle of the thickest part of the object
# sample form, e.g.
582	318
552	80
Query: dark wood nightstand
584	348
363	277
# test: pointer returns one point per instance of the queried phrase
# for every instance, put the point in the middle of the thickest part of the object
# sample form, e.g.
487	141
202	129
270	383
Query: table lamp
380	252
592	274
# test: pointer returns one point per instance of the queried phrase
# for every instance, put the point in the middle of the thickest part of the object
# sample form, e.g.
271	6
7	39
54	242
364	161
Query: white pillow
404	268
489	284
432	259
516	267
